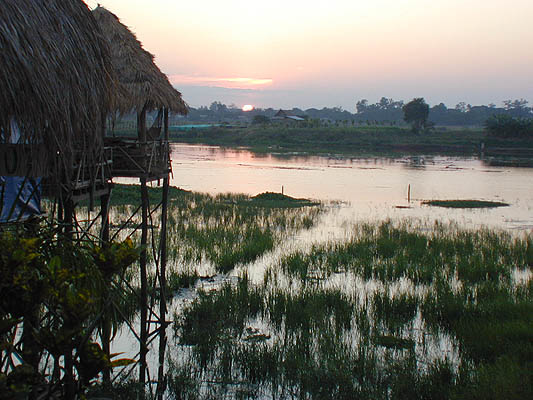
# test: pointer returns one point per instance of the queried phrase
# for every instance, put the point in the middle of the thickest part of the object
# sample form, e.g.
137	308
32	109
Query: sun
247	107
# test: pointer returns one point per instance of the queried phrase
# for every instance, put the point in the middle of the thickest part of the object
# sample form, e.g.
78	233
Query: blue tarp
20	198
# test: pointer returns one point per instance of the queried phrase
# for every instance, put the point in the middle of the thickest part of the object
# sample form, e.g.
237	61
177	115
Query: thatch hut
56	85
143	88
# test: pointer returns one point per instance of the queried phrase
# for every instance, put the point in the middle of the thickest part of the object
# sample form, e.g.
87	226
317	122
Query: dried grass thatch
145	86
56	77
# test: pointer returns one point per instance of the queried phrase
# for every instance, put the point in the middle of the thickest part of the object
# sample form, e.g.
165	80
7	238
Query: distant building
287	115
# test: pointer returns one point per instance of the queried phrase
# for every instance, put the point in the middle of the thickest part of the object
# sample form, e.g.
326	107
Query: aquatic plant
232	229
465	203
433	312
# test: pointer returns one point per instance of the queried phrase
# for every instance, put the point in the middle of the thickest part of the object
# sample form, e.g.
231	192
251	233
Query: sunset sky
332	53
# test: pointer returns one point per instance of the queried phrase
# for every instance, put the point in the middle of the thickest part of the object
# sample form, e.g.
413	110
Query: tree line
386	111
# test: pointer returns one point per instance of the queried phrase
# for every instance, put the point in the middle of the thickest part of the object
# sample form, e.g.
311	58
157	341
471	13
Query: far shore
372	140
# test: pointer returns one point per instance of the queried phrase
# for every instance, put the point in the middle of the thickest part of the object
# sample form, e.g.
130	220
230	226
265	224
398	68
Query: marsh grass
317	340
227	230
465	203
213	233
389	253
361	140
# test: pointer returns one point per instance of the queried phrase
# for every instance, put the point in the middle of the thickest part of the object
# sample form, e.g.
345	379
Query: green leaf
122	362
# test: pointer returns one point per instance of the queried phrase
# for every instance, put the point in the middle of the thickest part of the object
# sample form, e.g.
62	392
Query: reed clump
397	311
232	229
465	203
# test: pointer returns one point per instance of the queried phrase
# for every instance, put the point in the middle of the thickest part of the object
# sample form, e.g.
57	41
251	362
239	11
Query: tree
517	108
218	107
461	106
361	106
416	113
503	125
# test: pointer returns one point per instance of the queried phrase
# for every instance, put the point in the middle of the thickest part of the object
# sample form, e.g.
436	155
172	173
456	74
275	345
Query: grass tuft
465	203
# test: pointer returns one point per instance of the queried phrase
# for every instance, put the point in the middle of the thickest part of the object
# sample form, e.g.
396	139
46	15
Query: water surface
369	188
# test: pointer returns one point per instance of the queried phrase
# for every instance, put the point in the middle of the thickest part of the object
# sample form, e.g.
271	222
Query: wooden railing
132	158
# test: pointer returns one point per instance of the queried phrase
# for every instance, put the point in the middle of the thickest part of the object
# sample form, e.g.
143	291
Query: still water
353	190
365	189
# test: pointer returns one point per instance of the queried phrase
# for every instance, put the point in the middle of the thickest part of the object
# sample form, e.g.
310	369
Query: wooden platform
132	158
121	157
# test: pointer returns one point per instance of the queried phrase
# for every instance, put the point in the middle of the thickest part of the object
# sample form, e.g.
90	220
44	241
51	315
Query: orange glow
290	53
247	107
216	81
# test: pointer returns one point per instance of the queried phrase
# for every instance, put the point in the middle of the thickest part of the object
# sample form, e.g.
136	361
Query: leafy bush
55	291
503	125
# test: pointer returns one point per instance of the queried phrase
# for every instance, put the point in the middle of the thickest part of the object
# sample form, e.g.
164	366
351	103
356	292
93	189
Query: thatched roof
55	73
144	83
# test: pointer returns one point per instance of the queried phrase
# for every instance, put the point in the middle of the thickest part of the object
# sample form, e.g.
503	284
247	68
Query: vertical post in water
68	219
106	321
409	193
141	126
161	380
144	285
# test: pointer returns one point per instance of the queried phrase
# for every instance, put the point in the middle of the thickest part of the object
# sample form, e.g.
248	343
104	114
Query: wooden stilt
144	286
161	380
106	322
141	121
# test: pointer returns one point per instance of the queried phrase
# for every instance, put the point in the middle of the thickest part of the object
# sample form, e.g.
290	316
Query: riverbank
358	140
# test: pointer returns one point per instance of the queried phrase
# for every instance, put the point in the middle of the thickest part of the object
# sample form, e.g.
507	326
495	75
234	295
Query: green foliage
465	203
260	119
416	113
360	140
232	229
506	126
278	200
57	289
367	318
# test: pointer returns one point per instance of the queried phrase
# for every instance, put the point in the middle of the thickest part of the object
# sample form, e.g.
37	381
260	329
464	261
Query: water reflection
372	188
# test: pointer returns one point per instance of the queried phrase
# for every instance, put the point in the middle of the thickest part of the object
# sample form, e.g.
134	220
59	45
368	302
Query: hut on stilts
144	88
63	72
57	87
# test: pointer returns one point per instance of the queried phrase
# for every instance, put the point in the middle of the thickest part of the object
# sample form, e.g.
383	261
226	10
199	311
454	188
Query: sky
296	53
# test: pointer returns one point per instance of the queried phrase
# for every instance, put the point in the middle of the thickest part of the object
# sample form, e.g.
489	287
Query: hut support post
141	128
106	322
161	380
144	285
68	220
104	211
141	125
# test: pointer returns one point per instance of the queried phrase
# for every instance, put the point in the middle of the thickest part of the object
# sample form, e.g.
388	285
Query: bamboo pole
161	379
70	386
106	322
144	285
142	264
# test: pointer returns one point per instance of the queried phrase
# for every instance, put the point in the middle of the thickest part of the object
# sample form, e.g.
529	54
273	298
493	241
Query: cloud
237	83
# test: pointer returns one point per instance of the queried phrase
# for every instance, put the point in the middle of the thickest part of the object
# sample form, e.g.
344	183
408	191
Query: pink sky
316	53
